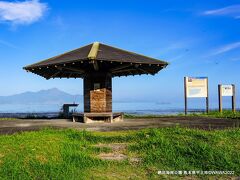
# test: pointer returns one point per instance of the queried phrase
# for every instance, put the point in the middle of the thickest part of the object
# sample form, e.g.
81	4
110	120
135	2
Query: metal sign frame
185	94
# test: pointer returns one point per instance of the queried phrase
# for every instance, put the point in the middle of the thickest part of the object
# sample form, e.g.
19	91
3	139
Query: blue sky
197	38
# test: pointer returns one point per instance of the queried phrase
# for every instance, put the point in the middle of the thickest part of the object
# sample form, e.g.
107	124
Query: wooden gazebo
97	63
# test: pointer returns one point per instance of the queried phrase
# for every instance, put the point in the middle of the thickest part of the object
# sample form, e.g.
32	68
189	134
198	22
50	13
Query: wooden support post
234	98
185	94
220	98
207	99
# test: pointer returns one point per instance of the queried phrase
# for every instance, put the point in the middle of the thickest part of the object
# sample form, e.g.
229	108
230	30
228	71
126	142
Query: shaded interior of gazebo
96	64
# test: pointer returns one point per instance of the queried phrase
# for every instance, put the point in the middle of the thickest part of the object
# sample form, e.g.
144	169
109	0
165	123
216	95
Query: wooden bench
97	117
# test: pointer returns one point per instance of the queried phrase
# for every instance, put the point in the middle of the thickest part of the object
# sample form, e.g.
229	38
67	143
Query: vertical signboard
228	91
196	87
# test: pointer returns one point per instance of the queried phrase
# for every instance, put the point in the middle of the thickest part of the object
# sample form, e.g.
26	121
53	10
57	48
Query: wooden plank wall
98	100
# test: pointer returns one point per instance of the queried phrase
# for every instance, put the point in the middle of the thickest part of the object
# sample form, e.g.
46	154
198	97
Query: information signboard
227	90
196	87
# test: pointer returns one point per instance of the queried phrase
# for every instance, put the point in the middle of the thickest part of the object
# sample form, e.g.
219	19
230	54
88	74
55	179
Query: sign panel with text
227	90
196	87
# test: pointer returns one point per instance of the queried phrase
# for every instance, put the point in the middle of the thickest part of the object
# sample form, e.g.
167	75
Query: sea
134	108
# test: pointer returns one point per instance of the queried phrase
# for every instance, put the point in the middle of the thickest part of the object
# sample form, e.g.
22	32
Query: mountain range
50	96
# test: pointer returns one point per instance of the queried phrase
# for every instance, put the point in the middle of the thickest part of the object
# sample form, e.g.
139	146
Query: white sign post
227	90
196	87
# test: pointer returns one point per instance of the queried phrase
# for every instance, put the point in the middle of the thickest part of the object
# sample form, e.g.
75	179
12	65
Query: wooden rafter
71	70
124	70
120	67
144	71
95	65
53	75
70	75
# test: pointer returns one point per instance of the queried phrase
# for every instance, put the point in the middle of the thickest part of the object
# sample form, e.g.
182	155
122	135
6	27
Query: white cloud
180	56
235	59
5	43
25	12
226	48
233	11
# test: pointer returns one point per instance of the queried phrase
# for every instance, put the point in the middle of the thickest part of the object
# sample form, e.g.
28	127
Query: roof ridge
94	51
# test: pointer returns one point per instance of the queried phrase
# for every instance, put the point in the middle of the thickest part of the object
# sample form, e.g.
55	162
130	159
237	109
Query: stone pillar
98	92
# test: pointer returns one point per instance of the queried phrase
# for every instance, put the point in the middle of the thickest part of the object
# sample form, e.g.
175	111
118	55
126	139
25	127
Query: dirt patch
118	153
135	160
114	146
113	156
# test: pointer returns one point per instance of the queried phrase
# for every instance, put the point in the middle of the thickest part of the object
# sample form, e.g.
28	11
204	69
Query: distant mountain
50	96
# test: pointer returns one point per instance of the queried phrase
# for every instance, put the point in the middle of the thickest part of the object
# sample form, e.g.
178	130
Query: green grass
6	119
214	114
225	114
133	116
71	154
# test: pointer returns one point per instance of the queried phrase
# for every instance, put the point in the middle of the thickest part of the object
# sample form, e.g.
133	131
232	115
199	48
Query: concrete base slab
98	117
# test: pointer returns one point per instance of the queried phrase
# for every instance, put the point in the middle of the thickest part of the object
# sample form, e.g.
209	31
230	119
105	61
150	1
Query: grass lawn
7	119
72	154
214	114
224	114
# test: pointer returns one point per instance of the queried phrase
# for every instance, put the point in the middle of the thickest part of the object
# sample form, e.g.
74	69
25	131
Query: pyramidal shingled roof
119	62
104	53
